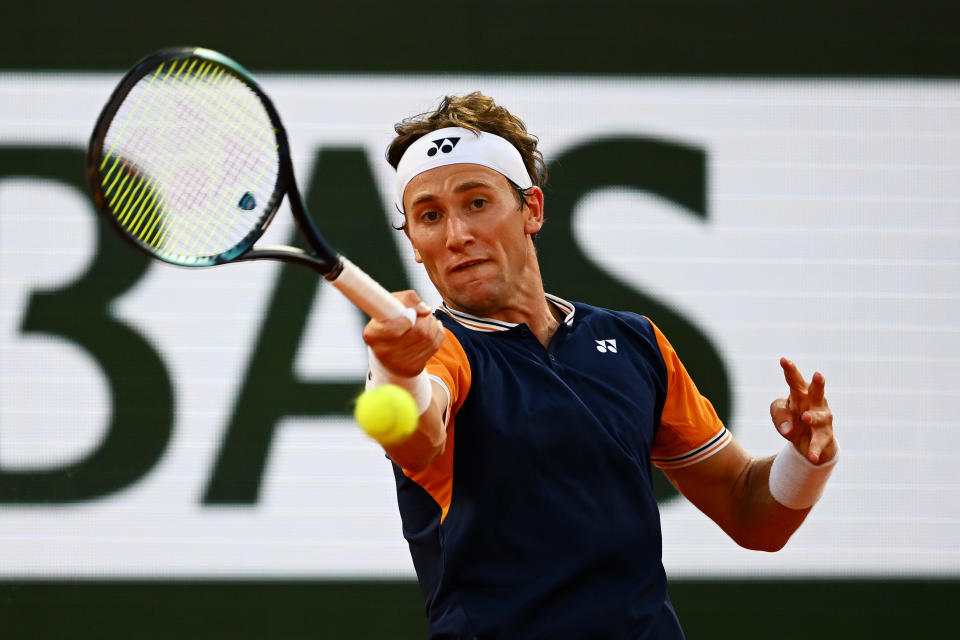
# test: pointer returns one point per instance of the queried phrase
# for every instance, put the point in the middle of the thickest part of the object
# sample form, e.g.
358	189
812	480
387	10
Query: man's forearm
764	523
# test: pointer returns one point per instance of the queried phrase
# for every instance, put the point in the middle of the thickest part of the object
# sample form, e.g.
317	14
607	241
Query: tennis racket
189	162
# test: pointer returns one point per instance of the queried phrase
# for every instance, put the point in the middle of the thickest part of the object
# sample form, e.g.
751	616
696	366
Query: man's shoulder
614	324
588	313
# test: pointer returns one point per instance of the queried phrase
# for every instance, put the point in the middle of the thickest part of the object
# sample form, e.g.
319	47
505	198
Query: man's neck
540	315
526	303
544	326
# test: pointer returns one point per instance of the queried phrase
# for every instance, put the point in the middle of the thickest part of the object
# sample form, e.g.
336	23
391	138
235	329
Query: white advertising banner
832	237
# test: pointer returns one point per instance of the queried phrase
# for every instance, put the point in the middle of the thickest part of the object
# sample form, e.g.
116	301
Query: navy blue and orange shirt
539	519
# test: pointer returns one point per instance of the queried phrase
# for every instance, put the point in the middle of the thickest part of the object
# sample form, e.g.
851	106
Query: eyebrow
460	188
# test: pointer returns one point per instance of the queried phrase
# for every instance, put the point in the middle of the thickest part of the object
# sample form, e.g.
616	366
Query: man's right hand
403	349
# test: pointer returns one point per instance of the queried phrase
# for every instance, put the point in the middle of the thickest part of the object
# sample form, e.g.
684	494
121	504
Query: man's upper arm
696	451
690	430
715	485
701	458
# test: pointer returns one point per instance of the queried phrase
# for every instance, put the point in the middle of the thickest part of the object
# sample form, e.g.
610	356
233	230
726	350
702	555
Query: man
525	492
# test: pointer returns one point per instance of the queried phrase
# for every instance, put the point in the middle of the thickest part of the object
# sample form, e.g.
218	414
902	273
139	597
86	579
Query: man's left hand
804	418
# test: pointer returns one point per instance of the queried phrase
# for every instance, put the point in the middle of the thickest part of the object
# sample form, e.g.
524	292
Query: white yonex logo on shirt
603	346
443	144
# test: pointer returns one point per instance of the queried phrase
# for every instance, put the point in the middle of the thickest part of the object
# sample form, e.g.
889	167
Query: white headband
456	145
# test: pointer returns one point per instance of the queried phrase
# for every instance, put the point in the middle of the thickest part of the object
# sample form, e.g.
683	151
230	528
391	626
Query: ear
416	254
533	212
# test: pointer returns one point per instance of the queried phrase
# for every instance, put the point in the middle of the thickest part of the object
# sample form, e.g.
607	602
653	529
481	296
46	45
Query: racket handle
369	295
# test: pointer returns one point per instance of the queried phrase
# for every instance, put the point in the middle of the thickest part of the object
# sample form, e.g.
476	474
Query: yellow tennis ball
388	414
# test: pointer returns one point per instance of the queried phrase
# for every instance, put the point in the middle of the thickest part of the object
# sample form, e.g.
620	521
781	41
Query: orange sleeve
450	365
690	430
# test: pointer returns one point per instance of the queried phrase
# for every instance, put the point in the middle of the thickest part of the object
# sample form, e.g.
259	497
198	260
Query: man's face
469	231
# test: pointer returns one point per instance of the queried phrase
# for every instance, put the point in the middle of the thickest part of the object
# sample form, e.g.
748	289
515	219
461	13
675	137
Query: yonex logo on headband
443	144
472	147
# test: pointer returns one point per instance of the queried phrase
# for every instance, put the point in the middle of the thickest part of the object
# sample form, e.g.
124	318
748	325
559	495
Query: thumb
416	308
423	309
782	417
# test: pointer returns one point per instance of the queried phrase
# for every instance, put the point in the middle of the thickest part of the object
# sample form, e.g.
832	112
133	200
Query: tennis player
525	493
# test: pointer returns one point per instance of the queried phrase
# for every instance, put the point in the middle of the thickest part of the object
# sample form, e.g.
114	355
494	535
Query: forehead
449	180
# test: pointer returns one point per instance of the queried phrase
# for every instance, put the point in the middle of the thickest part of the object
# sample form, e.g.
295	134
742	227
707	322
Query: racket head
189	160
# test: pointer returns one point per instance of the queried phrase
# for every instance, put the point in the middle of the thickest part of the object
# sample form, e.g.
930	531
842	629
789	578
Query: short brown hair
475	112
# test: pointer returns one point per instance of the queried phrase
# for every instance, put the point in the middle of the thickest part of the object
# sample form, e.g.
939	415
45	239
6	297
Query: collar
489	324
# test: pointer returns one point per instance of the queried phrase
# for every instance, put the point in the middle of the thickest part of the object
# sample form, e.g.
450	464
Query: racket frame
322	259
347	277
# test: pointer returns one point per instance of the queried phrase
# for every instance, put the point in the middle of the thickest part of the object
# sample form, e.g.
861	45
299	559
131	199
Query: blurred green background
811	38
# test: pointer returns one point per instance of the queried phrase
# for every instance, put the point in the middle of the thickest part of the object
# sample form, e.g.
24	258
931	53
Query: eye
429	216
478	203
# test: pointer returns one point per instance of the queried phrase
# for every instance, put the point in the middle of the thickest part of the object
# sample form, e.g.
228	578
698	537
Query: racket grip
369	295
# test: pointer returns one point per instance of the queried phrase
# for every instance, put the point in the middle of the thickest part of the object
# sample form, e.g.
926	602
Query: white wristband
795	482
418	386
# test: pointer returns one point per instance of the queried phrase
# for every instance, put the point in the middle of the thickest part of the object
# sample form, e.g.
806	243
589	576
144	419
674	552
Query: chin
476	299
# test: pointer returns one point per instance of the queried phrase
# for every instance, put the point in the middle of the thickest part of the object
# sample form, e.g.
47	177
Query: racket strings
121	191
239	163
196	190
164	237
190	165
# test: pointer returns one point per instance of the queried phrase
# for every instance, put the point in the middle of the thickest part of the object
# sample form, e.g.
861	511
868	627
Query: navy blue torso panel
552	530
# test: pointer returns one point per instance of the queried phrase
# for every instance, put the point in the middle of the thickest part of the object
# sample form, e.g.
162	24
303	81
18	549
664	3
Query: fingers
804	417
795	380
814	418
402	348
389	329
411	300
793	376
815	390
389	333
811	431
819	423
803	396
820	439
393	328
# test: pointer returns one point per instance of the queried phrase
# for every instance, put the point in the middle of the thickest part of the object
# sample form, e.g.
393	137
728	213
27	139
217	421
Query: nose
459	233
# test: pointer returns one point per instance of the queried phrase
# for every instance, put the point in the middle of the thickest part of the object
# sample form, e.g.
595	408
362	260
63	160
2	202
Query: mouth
466	265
